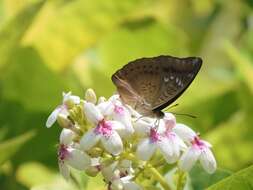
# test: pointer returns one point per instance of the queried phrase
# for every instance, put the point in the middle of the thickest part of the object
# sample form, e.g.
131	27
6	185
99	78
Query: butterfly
149	85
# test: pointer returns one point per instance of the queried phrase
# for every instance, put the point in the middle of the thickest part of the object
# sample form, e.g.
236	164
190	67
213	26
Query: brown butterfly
151	84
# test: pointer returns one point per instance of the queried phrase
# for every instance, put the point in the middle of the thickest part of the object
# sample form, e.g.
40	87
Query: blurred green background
47	47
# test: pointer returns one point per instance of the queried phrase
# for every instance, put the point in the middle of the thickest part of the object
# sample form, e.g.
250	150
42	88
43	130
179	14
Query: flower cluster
110	137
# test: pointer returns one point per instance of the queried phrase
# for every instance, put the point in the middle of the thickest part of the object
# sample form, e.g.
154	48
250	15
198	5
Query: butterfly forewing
177	74
154	83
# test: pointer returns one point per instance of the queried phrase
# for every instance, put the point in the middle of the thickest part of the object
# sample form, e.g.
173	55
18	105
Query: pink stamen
119	109
198	143
63	152
154	136
170	123
103	128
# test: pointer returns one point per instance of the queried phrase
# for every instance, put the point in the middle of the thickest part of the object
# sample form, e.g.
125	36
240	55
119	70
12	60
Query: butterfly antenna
175	105
185	114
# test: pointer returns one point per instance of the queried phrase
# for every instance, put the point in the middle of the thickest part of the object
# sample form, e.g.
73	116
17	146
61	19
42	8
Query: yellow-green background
70	45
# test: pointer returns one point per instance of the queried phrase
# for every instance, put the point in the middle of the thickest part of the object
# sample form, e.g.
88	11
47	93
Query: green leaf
152	39
200	179
242	64
26	172
14	30
27	80
242	180
10	147
232	142
79	25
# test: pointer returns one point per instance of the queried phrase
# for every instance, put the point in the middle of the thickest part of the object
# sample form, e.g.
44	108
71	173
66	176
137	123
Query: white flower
199	150
105	130
117	111
142	127
164	139
62	109
68	155
125	167
94	167
123	183
184	132
172	143
118	180
147	147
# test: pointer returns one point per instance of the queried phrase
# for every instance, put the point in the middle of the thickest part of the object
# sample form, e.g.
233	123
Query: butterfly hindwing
142	76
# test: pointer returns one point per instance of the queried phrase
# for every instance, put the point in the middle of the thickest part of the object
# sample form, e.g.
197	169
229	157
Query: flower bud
101	99
95	167
95	152
63	121
92	171
90	96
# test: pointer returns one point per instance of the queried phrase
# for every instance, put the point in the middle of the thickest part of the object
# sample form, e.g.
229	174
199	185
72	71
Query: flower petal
116	185
68	97
207	144
184	132
131	186
142	127
112	143
208	161
64	170
125	166
119	127
66	136
75	99
92	113
145	149
169	150
108	172
53	117
189	158
101	99
89	140
122	115
90	96
78	159
106	108
170	120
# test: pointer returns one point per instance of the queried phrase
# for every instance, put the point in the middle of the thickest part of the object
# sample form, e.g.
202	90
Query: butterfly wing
144	84
176	75
137	83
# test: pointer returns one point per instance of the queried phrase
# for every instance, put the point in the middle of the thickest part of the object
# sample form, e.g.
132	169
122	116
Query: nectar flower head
68	155
199	150
105	130
110	137
68	100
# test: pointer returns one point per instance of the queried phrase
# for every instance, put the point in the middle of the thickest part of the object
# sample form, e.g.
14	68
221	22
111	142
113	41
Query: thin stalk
159	178
180	180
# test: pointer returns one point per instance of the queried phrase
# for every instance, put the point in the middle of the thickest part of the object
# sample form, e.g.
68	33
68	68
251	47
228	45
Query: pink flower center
198	143
119	110
170	123
104	128
154	136
63	152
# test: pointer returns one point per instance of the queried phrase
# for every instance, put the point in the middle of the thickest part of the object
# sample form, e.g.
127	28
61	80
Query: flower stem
180	180
152	170
159	178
